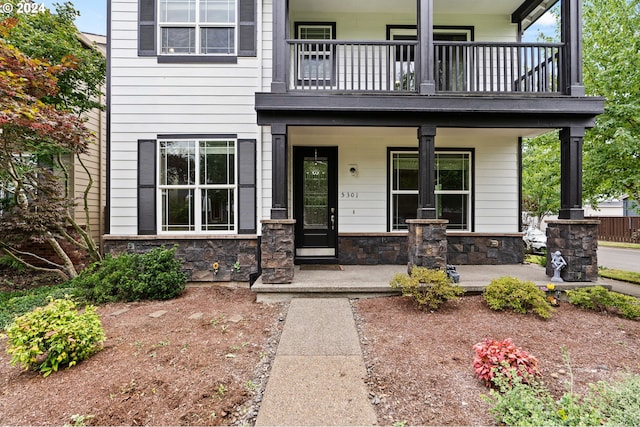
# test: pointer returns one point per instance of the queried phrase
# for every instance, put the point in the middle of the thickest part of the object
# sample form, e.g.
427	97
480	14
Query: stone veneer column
577	241
427	243
277	250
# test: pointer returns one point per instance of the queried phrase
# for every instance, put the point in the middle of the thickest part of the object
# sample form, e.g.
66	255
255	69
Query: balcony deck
341	66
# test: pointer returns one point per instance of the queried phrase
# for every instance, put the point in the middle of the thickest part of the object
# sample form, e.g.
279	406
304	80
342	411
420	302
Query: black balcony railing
391	66
353	66
498	67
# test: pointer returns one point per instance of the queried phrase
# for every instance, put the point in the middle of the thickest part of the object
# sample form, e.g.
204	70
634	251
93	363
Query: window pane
452	172
217	40
405	171
405	206
217	162
315	32
316	193
177	210
178	40
217	210
177	163
177	10
455	208
220	11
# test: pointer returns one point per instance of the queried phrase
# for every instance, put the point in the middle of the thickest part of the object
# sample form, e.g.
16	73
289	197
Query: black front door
315	203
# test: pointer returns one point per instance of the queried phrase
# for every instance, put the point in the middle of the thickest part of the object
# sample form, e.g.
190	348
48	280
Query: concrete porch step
269	293
363	281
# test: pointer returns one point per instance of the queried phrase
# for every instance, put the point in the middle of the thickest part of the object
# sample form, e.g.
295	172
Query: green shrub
155	275
428	288
515	403
517	295
601	299
17	303
529	403
620	401
536	259
7	261
54	336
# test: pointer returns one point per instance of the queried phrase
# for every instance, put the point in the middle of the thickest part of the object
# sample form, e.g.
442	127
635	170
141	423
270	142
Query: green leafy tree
611	70
32	134
53	37
541	176
611	43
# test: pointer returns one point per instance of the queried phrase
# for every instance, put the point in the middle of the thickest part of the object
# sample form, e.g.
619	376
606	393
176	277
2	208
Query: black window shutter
147	28
247	28
247	186
147	186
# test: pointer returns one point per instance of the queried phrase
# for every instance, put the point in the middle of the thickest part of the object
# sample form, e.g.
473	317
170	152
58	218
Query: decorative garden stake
558	263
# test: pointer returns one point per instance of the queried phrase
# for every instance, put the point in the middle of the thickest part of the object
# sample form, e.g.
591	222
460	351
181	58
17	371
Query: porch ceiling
408	132
465	7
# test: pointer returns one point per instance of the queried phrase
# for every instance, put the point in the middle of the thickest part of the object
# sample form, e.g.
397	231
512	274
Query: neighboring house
631	207
94	159
230	119
624	206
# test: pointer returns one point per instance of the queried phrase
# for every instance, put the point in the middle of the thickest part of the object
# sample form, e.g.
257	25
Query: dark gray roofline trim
527	8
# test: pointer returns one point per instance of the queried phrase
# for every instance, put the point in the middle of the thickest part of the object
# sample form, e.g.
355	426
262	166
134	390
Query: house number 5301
347	195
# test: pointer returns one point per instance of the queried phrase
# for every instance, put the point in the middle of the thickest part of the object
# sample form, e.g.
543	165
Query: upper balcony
390	66
422	47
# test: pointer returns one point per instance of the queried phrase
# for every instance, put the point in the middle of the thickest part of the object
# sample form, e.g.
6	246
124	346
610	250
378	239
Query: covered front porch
402	195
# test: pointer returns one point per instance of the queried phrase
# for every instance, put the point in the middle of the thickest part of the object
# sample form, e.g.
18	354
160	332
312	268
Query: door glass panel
316	193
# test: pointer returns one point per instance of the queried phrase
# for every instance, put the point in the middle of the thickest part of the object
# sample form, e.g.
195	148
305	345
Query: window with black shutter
197	30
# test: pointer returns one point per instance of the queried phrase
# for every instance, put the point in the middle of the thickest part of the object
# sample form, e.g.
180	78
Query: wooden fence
619	229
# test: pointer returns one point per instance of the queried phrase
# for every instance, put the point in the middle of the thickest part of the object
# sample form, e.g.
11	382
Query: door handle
333	222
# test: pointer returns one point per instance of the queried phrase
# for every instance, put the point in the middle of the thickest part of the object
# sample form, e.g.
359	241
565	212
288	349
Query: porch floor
364	281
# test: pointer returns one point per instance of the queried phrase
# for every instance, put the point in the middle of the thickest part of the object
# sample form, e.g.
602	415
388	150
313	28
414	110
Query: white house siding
354	26
265	45
496	176
148	99
362	199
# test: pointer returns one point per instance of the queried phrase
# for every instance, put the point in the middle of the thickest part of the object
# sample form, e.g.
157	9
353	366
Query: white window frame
197	187
198	26
468	192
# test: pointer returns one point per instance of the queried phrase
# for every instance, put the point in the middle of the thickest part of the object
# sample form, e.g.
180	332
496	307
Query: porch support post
427	243
279	173
571	36
571	140
426	172
425	68
577	241
277	249
279	46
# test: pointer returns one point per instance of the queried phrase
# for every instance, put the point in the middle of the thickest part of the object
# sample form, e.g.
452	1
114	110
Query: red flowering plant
503	358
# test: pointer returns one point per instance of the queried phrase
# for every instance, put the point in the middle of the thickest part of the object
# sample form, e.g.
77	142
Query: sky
93	14
546	24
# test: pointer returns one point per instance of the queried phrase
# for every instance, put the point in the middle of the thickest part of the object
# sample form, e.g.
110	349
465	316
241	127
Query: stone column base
277	250
577	241
427	243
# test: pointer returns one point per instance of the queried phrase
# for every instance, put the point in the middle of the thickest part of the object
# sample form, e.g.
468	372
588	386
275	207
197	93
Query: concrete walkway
317	378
